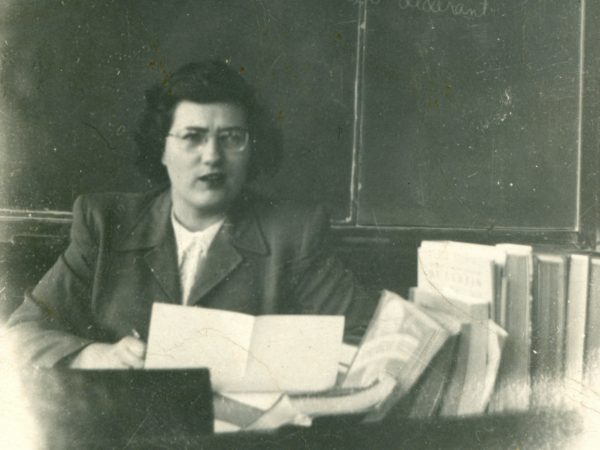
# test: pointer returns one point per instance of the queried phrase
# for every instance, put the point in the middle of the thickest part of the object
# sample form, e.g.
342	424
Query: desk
529	430
523	431
544	429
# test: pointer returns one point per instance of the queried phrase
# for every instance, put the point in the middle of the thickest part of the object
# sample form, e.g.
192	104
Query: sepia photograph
300	224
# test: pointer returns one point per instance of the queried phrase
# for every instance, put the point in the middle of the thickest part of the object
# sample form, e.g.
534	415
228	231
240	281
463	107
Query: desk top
542	429
523	431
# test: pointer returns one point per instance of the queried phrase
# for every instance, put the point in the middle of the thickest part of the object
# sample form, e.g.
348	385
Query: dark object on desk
101	408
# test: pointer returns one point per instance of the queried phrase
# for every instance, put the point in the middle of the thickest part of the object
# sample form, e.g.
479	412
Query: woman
205	240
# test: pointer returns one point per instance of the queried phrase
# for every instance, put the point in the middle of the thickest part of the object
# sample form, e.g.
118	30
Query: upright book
463	280
577	298
513	388
592	331
548	325
460	271
467	391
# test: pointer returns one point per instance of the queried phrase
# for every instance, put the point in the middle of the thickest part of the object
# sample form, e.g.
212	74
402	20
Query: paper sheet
247	353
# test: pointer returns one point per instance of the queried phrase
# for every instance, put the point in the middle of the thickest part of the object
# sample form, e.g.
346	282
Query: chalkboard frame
586	233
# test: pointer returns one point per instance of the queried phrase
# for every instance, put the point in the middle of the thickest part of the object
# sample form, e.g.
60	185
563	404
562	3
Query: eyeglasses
234	139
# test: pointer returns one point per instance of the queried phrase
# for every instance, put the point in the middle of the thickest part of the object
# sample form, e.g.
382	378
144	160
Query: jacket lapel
162	261
239	235
221	259
153	232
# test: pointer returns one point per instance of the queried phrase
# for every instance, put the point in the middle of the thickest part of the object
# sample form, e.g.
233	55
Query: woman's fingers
130	351
134	345
127	353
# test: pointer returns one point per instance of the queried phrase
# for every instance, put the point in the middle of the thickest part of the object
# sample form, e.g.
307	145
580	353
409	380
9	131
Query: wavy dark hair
205	82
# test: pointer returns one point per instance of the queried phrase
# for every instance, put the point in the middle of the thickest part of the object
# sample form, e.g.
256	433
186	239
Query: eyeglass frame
190	145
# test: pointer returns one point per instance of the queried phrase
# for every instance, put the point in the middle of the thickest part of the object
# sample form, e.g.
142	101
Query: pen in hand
138	349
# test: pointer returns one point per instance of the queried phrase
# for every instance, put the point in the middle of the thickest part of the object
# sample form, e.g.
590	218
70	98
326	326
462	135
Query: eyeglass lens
229	138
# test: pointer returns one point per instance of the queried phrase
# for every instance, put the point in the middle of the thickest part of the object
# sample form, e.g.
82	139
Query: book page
432	301
400	341
294	353
244	352
458	271
183	336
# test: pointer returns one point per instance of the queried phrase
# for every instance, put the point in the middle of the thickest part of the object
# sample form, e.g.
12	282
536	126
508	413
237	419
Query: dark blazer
267	258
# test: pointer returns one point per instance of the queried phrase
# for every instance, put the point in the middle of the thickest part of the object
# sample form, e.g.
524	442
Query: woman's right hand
128	353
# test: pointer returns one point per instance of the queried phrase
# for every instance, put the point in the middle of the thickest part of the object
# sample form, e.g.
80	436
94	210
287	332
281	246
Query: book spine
548	328
475	376
451	401
579	272
430	391
513	388
592	335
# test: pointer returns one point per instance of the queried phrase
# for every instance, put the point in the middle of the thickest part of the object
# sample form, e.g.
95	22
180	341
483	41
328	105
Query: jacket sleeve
322	285
54	320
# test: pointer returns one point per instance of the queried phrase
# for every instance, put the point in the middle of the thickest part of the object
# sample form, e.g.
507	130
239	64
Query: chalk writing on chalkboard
362	2
476	9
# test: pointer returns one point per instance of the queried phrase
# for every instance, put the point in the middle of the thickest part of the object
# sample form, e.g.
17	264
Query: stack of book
565	324
547	300
522	329
458	284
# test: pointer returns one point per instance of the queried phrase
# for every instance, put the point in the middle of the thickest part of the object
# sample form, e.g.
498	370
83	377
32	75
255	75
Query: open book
247	353
400	342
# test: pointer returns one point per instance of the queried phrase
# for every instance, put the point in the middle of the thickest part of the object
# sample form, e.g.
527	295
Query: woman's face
206	156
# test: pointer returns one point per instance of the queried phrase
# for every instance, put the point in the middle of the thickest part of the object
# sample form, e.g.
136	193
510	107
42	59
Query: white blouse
192	247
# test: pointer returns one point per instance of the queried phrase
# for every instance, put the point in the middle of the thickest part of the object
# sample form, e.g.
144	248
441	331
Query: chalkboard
471	114
73	75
